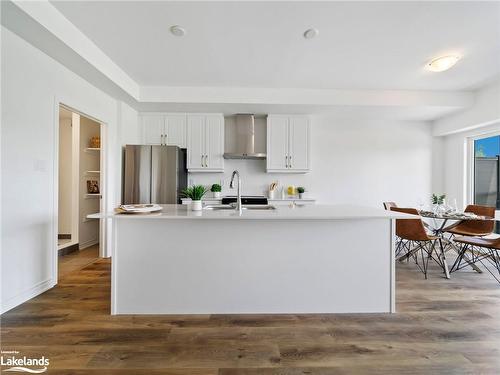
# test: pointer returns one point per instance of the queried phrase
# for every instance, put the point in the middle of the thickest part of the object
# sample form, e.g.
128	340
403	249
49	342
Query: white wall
485	111
32	84
352	162
65	173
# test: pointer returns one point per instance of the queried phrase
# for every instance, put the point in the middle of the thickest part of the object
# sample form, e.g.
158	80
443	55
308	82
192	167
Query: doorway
79	190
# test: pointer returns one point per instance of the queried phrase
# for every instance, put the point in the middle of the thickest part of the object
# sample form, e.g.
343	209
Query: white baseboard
84	245
27	295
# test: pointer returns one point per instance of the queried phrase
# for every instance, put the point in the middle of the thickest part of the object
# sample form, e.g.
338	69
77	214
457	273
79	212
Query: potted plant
195	192
438	203
301	190
216	189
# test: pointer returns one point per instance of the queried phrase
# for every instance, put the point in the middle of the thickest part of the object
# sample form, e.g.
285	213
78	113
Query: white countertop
287	199
299	212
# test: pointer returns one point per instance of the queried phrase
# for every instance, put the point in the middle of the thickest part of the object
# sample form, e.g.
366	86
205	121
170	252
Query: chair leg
493	253
443	259
460	255
425	263
463	257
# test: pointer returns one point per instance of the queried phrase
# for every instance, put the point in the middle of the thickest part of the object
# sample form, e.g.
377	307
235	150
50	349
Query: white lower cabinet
288	144
205	142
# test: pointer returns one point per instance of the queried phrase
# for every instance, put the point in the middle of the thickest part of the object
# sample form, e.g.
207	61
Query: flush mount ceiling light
311	33
177	30
442	63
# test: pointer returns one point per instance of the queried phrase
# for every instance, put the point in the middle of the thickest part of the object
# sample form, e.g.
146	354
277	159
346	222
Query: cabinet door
298	149
277	143
214	149
175	130
153	129
196	142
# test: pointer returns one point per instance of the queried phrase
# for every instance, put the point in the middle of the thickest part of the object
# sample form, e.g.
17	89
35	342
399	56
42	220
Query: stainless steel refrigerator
154	174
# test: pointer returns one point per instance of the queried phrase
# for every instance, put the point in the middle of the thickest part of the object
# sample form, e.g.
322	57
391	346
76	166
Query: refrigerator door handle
161	137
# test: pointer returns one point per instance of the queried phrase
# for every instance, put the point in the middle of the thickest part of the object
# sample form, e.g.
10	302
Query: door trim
103	224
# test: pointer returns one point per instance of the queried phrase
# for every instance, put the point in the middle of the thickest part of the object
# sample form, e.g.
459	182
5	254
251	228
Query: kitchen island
293	259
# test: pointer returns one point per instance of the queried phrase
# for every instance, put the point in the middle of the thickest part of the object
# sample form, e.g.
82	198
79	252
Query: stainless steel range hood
245	139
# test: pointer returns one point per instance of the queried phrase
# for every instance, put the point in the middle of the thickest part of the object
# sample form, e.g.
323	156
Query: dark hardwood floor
442	327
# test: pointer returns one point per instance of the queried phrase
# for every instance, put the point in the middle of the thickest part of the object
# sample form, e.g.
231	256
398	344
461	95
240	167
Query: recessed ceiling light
442	63
311	33
177	30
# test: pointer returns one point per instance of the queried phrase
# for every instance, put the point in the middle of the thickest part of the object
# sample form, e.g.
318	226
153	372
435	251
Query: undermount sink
219	207
244	207
259	207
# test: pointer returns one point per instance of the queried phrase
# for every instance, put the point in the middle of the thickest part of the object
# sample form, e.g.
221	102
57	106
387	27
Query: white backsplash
255	180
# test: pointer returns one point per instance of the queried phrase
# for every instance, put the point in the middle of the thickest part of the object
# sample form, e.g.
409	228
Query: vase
439	209
217	194
196	205
301	195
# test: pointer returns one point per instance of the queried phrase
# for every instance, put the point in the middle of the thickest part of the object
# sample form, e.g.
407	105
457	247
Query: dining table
441	223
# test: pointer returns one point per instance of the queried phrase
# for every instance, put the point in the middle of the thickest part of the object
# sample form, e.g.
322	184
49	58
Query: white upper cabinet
196	142
175	130
205	142
153	126
164	129
214	137
277	143
298	146
288	144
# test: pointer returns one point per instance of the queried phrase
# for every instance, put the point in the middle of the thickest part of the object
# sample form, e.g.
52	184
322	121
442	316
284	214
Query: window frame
470	164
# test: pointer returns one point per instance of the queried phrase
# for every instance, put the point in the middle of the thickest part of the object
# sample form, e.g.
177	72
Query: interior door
153	128
277	143
214	142
196	142
175	130
298	152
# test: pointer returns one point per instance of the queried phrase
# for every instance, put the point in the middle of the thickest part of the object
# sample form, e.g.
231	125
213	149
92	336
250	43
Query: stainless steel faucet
238	198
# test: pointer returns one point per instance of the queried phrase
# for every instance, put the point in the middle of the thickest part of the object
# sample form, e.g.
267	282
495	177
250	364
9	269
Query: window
487	172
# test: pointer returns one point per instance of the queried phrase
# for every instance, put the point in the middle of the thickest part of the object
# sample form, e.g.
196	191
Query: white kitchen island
301	259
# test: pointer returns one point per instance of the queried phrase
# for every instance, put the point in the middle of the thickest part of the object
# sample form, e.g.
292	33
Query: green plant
438	199
301	189
195	192
216	188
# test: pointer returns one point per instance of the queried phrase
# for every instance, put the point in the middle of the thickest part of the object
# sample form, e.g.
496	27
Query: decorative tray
138	209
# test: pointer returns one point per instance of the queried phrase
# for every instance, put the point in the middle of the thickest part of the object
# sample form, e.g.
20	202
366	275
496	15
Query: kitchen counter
297	212
302	259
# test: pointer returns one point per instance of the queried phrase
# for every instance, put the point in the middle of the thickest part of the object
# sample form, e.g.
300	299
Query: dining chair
475	227
399	241
417	240
389	205
479	249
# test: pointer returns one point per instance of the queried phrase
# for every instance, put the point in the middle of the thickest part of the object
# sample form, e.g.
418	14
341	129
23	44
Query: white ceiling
361	45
